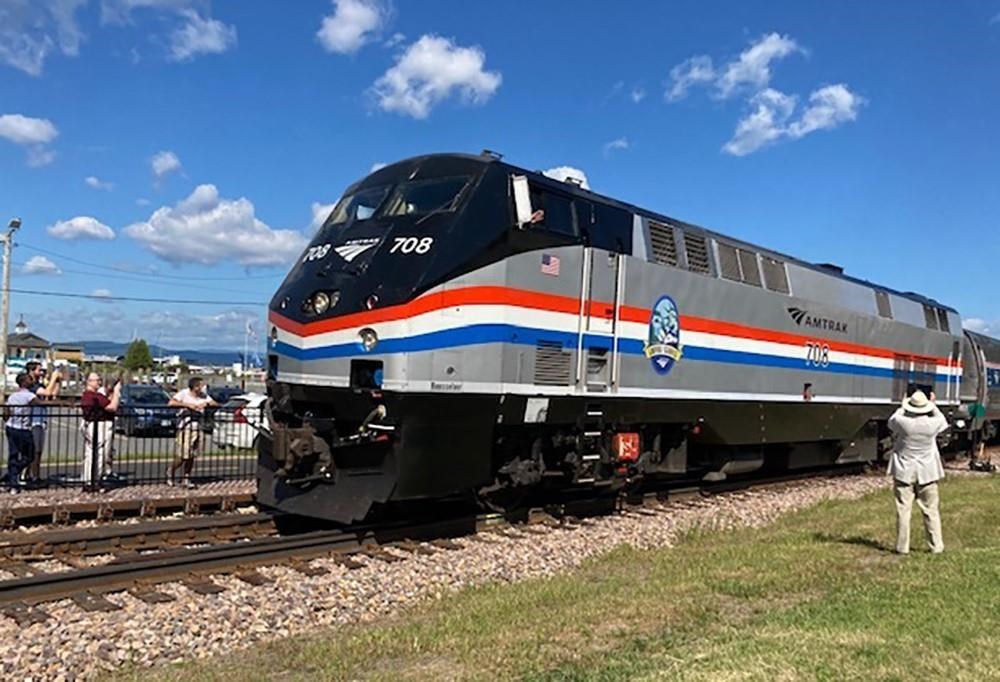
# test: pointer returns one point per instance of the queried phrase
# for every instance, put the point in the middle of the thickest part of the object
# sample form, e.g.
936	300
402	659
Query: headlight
320	302
960	423
369	339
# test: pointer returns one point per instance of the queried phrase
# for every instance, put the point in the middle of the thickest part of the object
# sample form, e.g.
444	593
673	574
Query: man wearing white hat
916	468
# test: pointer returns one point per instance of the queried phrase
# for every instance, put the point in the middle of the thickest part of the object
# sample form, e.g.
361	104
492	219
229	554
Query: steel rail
142	571
133	536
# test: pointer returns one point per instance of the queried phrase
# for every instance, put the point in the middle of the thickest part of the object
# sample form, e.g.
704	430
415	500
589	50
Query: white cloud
205	228
200	36
429	71
770	118
31	30
320	212
25	130
614	145
81	227
378	165
120	11
753	67
637	95
142	201
995	19
39	156
751	70
765	124
828	108
562	173
40	265
981	326
164	163
395	39
102	293
353	24
31	133
97	183
692	71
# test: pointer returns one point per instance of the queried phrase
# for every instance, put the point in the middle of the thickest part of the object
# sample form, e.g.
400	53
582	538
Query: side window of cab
552	212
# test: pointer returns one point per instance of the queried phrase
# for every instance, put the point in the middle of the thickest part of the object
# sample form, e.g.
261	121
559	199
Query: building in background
67	352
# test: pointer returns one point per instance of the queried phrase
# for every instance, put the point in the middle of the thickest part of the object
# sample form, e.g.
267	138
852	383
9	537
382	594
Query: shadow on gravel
852	540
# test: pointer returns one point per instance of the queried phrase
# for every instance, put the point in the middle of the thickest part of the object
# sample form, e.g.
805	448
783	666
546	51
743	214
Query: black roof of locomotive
436	165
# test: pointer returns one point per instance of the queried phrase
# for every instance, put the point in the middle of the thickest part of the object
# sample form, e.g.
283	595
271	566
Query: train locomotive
463	328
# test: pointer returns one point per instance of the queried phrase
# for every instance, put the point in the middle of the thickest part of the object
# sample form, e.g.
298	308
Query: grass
816	595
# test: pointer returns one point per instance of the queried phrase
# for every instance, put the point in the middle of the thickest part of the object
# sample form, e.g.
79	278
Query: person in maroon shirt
98	422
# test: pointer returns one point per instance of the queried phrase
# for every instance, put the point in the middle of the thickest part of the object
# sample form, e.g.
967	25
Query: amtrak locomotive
460	327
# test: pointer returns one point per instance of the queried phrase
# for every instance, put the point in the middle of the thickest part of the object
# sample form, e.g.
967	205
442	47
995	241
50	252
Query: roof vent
576	182
831	267
491	154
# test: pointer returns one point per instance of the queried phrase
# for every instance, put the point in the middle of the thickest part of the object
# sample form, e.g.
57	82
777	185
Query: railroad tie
202	585
22	614
149	595
305	568
347	562
253	577
89	601
381	555
414	547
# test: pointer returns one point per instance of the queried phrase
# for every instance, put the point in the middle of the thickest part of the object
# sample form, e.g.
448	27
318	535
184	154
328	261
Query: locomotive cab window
436	195
358	206
552	212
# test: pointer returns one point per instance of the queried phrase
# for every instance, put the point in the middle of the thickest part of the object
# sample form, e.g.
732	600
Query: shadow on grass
853	540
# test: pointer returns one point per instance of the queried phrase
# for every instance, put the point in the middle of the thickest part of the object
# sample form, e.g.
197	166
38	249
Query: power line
137	299
148	281
151	274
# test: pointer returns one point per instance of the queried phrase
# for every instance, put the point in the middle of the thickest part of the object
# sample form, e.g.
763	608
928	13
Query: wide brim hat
918	403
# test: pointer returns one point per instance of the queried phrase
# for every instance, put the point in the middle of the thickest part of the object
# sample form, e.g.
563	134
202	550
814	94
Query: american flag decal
550	265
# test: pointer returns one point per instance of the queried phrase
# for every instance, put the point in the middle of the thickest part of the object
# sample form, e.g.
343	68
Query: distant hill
192	357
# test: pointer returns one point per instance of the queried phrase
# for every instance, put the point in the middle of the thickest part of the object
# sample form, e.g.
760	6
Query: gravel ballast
74	644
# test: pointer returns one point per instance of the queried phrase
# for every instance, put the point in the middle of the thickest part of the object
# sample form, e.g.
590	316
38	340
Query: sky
185	149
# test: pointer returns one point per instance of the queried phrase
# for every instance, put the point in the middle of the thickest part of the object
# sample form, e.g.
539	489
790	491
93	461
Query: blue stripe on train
506	333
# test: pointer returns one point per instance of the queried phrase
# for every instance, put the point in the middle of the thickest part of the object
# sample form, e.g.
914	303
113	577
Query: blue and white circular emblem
663	347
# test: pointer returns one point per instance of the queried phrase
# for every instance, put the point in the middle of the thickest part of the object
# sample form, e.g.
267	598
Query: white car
238	421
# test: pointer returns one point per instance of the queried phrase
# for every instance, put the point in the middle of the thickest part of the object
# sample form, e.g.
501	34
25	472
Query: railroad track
61	513
140	573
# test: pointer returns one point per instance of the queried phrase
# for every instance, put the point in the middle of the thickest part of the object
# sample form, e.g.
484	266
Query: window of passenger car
358	206
435	195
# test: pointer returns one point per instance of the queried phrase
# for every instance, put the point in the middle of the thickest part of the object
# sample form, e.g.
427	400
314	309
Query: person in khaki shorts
194	399
916	468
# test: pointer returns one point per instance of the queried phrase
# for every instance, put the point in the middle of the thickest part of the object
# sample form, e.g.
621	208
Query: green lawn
815	596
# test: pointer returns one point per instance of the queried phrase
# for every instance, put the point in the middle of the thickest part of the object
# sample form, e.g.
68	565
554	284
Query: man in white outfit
916	468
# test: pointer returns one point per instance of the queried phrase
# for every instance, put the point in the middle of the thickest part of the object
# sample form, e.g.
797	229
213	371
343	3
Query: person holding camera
916	468
43	390
193	399
97	427
20	448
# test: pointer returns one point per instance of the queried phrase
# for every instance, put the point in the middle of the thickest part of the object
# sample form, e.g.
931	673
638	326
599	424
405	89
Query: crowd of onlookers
26	415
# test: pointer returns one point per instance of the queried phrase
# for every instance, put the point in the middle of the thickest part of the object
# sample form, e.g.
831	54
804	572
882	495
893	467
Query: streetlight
8	243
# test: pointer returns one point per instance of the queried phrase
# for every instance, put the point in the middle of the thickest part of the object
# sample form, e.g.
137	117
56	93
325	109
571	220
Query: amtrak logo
355	247
804	319
663	346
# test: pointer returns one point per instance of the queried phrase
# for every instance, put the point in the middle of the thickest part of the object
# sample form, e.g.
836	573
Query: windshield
358	206
426	196
149	396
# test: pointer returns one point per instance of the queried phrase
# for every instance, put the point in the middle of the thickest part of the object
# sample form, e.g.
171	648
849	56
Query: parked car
143	411
238	421
223	394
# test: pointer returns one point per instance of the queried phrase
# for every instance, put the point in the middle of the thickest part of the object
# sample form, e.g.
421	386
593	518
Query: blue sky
180	148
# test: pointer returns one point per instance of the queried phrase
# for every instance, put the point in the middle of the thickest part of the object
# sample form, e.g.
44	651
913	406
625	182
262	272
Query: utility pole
8	244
